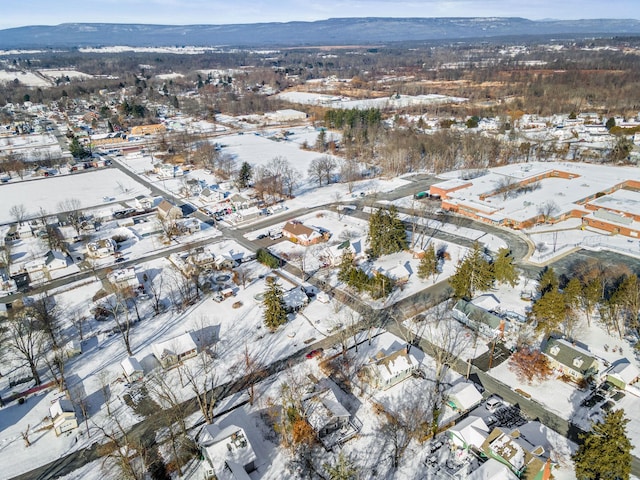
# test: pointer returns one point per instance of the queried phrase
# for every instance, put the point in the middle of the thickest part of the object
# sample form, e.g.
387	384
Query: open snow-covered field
88	188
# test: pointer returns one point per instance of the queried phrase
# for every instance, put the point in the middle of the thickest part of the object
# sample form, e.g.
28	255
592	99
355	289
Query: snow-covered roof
62	405
177	345
624	370
390	365
322	407
473	431
131	365
466	395
582	181
492	469
228	445
295	298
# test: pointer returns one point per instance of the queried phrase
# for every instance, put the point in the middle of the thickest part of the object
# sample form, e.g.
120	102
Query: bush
266	258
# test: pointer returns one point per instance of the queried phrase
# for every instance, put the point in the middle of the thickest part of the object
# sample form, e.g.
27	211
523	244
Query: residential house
101	248
525	450
188	225
492	469
477	318
210	195
228	452
132	369
295	299
63	416
622	374
299	233
327	416
168	210
55	260
143	203
463	396
172	351
124	278
571	360
468	434
388	369
140	130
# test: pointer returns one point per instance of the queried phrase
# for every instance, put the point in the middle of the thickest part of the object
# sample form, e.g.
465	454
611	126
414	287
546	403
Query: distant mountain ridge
334	31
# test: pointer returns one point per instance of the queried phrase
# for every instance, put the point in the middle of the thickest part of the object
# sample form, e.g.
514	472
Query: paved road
383	318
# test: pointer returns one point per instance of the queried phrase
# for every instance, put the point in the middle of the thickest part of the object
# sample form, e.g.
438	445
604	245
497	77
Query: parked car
120	260
315	353
493	403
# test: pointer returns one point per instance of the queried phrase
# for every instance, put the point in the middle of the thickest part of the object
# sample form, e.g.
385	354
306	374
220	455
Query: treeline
352	118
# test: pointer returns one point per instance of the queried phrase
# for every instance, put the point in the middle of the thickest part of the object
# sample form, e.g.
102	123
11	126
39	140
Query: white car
493	403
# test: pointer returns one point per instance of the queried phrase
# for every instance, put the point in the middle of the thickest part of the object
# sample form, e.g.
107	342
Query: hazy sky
15	13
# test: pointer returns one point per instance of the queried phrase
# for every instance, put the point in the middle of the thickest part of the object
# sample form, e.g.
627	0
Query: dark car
120	260
315	353
261	236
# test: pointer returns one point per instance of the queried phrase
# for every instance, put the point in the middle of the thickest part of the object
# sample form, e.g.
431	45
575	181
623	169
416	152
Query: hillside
335	31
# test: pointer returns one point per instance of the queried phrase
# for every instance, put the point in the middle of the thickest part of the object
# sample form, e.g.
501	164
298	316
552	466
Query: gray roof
572	356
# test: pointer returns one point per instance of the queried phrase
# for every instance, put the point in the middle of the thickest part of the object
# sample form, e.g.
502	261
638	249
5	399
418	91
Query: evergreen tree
386	233
549	311
548	281
275	313
77	150
474	273
244	175
346	265
503	268
428	263
605	451
572	292
321	140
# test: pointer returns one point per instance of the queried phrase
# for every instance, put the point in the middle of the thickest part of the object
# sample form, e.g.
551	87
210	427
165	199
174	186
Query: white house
101	248
132	369
463	396
174	350
124	278
388	369
63	416
55	260
469	433
228	452
325	413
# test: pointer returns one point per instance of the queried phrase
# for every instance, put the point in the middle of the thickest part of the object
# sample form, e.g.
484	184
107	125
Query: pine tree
346	265
605	451
428	263
386	233
503	268
275	313
474	273
548	281
549	311
244	175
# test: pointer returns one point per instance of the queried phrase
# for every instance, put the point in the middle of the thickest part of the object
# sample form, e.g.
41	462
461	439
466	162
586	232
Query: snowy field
398	101
29	79
89	188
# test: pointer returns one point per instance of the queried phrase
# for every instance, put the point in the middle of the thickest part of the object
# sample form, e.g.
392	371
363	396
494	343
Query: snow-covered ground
89	189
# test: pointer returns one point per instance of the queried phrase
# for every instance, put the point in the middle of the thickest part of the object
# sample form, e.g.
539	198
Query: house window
577	362
554	350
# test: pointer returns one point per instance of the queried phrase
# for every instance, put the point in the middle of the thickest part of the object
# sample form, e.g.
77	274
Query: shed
132	369
63	416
